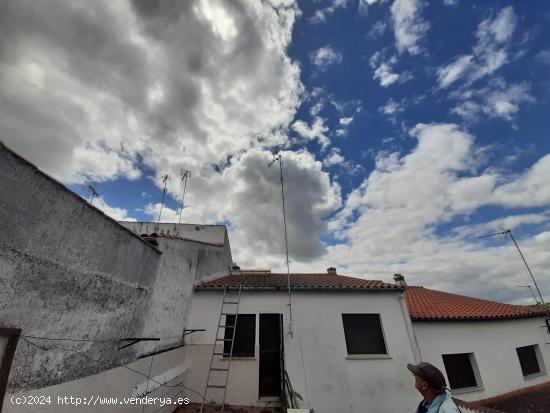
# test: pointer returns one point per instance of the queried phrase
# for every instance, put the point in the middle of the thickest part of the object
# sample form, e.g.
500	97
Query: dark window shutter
459	370
528	360
245	335
364	334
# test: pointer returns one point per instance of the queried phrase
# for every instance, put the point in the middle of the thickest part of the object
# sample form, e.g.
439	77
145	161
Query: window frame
538	357
475	371
228	334
365	355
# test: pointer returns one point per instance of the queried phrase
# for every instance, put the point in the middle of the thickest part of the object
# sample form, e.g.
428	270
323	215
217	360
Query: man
431	384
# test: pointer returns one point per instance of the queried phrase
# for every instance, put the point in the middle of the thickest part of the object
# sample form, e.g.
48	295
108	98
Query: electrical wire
44	348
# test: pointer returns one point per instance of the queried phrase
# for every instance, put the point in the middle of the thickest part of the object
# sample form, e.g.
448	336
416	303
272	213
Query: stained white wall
494	345
327	379
114	383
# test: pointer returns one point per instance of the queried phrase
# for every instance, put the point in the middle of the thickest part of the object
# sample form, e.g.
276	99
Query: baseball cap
431	374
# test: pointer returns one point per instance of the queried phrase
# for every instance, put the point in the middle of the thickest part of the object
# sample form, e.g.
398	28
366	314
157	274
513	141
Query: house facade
352	339
484	348
332	361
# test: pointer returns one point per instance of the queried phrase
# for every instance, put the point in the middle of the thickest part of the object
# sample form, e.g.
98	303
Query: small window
245	335
364	334
528	360
461	370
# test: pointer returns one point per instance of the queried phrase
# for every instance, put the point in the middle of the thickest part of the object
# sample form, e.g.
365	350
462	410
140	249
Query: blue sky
407	128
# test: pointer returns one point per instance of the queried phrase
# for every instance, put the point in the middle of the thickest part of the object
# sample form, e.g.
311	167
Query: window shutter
245	335
363	333
528	360
459	370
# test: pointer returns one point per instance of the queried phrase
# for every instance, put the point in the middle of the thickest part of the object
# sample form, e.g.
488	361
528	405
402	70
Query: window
364	334
528	359
245	335
461	370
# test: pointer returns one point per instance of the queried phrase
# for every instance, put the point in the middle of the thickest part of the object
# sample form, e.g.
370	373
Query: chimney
235	269
331	270
399	280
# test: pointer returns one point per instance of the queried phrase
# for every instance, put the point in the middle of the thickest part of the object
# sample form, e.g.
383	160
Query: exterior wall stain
69	271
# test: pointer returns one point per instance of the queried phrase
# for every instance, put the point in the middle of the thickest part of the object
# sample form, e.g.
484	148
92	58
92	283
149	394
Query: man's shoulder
448	406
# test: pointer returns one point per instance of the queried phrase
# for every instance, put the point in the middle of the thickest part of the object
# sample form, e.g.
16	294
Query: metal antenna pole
279	158
165	179
509	231
94	193
185	174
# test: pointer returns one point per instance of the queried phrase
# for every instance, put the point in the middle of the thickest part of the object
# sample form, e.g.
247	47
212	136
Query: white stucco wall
328	381
494	345
114	383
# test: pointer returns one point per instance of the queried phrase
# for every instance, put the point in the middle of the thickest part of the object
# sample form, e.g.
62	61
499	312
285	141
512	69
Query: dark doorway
270	354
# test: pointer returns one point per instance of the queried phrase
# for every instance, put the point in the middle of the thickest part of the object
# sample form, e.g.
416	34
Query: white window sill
237	358
467	390
534	375
368	357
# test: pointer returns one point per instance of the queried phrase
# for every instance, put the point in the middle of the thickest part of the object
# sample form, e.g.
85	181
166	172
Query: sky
407	128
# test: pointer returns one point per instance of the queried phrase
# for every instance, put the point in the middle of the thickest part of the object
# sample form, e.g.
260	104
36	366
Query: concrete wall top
215	234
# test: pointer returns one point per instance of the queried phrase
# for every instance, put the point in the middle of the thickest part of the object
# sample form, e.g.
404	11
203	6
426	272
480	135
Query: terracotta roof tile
532	399
297	281
425	304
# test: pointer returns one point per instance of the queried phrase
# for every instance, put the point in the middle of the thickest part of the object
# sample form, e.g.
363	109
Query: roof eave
285	288
481	318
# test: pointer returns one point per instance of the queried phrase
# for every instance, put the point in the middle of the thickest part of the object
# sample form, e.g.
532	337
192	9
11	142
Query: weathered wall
215	234
66	270
494	345
118	383
326	377
182	264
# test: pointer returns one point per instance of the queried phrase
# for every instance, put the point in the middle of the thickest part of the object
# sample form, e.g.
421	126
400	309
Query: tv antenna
509	232
185	174
165	179
532	292
279	158
94	193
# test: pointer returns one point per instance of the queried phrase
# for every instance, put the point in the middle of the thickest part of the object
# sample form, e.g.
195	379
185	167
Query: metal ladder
228	292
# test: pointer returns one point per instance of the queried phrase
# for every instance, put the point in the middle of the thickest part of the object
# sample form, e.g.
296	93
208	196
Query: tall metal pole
509	231
165	179
279	158
184	175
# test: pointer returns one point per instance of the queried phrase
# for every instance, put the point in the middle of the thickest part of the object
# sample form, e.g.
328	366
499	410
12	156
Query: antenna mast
94	193
279	158
185	174
165	179
509	232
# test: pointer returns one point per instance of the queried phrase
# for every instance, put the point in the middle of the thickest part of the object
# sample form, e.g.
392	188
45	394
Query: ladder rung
223	339
219	369
231	302
222	354
229	314
226	326
216	386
